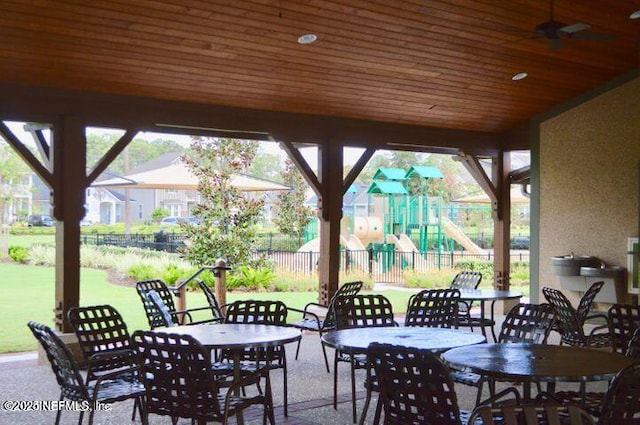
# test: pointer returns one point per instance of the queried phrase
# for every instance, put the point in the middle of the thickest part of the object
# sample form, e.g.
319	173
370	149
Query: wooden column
330	189
330	164
70	181
501	165
499	191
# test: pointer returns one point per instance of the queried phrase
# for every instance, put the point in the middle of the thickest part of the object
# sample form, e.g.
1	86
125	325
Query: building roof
387	188
389	174
425	172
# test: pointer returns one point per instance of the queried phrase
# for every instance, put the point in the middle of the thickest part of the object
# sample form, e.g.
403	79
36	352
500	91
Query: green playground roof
390	174
387	188
425	172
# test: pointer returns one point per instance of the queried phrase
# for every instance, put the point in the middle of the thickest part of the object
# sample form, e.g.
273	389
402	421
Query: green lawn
28	240
27	293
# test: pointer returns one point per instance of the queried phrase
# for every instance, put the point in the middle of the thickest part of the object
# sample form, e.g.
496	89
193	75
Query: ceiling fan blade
573	28
555	44
592	36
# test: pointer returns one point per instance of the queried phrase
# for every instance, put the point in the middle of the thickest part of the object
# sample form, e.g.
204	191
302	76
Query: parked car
174	221
520	242
41	220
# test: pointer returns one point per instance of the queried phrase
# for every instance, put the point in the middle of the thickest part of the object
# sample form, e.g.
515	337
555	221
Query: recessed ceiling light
519	76
307	38
635	15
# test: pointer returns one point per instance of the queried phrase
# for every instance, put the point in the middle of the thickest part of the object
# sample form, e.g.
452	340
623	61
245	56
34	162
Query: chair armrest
124	357
306	313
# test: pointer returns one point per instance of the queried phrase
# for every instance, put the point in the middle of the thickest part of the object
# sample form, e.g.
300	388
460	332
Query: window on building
140	211
175	209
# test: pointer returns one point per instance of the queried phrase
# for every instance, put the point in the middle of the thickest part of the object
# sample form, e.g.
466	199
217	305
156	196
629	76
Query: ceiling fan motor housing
550	29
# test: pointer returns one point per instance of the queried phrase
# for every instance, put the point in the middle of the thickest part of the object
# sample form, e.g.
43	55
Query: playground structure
403	218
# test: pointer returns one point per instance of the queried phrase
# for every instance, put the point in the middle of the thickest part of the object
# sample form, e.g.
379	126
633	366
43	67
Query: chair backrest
415	386
623	320
64	367
633	347
178	377
360	311
154	316
566	317
347	290
466	280
531	414
622	401
527	323
99	329
165	316
436	308
211	299
257	312
586	302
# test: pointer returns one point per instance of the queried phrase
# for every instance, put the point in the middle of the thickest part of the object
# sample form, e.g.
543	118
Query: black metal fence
159	241
383	265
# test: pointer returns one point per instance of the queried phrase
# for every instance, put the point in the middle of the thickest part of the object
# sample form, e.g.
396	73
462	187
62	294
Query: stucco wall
589	179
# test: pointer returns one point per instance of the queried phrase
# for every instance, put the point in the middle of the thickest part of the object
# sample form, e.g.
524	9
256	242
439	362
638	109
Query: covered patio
437	77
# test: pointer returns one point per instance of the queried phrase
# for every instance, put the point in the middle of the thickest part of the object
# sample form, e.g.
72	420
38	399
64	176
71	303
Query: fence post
220	275
310	261
347	259
370	251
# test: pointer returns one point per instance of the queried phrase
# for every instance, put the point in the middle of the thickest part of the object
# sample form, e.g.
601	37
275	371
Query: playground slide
458	235
403	244
352	243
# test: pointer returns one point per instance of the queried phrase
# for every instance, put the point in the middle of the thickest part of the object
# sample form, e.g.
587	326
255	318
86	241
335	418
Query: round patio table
356	340
483	295
237	337
526	362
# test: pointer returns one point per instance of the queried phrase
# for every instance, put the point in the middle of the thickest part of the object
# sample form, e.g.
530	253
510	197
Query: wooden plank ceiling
438	63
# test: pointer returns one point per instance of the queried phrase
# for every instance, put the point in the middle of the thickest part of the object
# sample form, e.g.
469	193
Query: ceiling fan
554	32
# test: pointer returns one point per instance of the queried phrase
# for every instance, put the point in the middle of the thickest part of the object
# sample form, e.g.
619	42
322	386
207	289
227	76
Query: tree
293	214
12	171
140	150
227	216
266	166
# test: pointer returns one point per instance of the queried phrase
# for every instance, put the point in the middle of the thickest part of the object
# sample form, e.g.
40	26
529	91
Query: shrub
250	278
19	254
431	280
483	266
140	272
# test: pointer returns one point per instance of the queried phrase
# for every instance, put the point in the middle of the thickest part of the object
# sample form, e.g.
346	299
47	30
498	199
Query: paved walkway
310	392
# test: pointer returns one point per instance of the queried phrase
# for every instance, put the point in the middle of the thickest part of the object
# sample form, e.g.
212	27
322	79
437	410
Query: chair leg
59	412
284	383
335	380
298	348
324	352
365	407
376	417
479	395
269	397
353	389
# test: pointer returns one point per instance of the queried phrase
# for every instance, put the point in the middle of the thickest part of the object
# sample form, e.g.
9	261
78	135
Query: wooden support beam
472	164
111	155
502	224
70	182
330	165
357	168
41	142
26	155
498	189
302	165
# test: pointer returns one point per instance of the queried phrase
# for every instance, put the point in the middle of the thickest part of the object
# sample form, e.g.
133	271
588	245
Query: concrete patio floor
310	392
